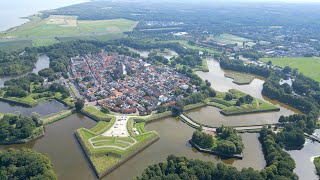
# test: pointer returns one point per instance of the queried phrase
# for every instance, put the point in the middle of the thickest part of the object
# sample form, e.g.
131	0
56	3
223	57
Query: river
14	10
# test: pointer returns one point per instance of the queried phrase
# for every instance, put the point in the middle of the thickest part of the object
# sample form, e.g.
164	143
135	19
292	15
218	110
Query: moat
69	161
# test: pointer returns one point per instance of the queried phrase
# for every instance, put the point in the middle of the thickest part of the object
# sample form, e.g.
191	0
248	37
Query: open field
43	32
307	66
231	39
108	152
228	107
240	78
185	44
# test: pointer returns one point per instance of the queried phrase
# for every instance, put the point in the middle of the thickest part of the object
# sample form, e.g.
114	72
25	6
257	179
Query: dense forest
25	164
16	128
226	141
279	166
16	63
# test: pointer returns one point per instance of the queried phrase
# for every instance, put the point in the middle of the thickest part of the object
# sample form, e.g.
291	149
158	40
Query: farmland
307	66
48	31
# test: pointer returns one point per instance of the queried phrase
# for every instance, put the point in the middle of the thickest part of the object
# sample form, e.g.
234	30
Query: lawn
240	78
307	66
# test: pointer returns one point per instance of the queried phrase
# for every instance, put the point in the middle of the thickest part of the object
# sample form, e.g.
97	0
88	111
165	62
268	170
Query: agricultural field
307	66
47	31
231	39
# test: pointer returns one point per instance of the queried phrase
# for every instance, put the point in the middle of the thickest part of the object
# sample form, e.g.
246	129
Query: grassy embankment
96	114
33	99
316	162
240	78
43	32
105	159
307	66
228	107
56	116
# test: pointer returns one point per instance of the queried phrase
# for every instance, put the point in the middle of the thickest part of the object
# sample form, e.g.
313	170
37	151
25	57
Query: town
127	85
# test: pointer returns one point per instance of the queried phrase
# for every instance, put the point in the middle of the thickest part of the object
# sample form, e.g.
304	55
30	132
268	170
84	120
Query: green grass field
240	78
43	32
231	39
308	66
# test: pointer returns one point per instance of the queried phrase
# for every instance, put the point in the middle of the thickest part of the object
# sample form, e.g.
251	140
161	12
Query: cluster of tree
254	55
236	65
191	60
24	82
294	126
274	90
50	74
16	63
55	87
229	142
14	128
79	104
202	139
15	91
25	164
280	165
178	168
247	99
155	58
